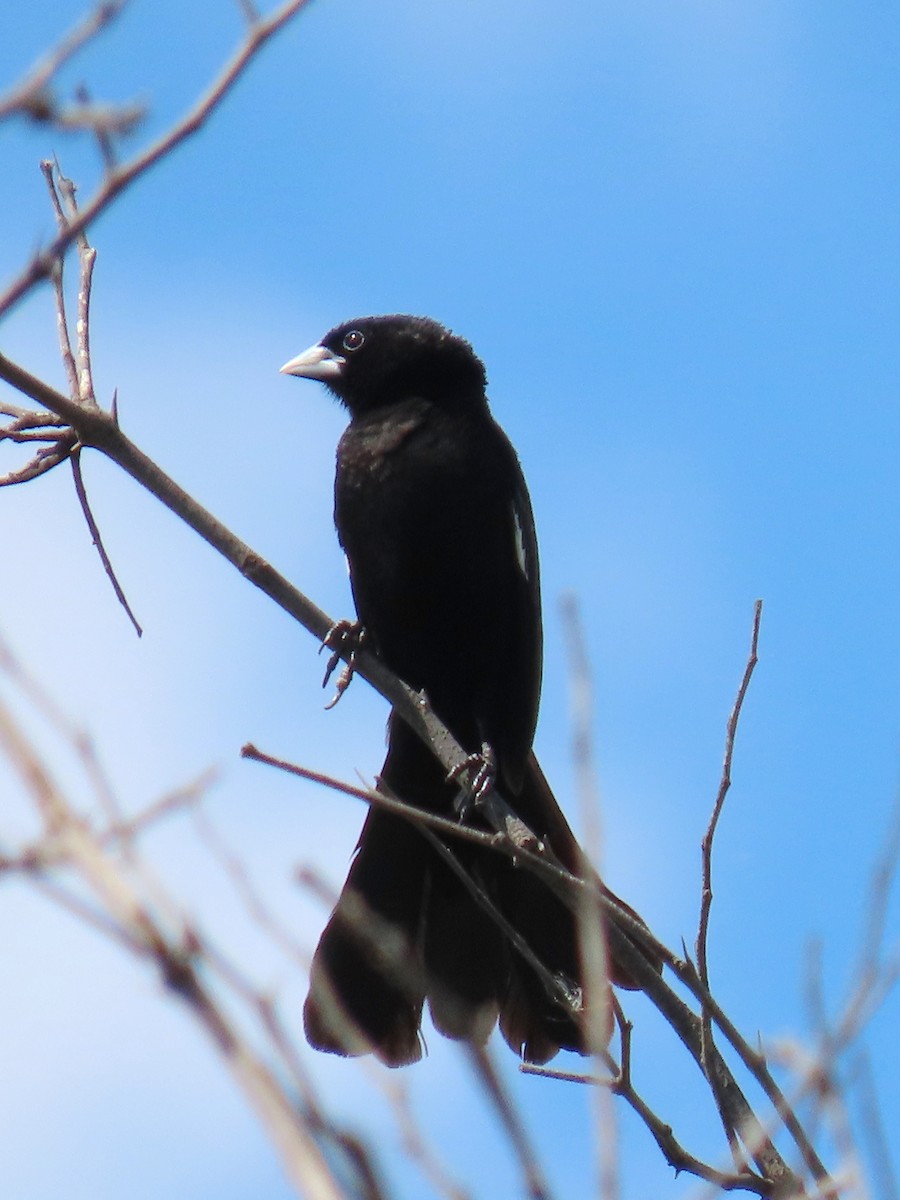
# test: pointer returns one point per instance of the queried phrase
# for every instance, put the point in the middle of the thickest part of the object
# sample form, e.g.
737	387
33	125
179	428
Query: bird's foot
479	774
343	639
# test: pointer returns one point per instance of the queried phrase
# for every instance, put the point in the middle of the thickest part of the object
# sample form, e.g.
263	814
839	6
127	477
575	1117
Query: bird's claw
480	775
344	638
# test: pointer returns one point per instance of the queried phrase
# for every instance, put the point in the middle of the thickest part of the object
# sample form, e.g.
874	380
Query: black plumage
433	513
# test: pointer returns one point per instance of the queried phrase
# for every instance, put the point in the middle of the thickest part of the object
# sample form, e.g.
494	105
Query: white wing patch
521	554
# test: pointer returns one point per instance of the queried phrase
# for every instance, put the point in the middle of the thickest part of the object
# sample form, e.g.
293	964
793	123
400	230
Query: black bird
433	513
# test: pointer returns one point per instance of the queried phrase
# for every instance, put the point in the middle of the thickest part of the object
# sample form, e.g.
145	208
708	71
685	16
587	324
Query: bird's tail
365	989
407	928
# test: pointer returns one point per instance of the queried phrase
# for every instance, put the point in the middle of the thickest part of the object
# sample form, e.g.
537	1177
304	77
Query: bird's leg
342	637
480	771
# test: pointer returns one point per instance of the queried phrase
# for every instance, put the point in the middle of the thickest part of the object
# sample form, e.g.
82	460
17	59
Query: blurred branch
126	911
880	1142
174	960
253	902
591	932
880	887
492	1084
417	1149
119	177
31	96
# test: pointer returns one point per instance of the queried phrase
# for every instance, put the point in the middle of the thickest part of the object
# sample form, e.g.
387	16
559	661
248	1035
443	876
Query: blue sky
671	231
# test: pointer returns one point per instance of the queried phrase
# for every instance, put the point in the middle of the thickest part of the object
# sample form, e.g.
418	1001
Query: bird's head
374	362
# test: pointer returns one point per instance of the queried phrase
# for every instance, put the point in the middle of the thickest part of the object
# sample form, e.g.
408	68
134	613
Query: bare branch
24	418
882	881
48	457
732	1132
25	427
97	539
120	177
87	256
724	785
30	96
129	919
377	799
874	1133
62	324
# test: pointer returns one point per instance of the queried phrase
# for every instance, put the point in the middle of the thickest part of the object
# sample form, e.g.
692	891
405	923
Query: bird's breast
368	452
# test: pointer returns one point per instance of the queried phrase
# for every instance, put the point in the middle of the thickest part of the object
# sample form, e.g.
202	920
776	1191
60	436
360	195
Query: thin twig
45	460
724	785
818	1078
185	798
19	436
62	324
29	427
756	1064
676	1155
26	418
97	539
732	1133
87	256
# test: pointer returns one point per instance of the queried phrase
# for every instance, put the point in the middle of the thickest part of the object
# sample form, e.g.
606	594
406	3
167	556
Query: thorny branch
64	441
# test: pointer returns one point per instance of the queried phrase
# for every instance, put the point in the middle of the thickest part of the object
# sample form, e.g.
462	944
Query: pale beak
318	362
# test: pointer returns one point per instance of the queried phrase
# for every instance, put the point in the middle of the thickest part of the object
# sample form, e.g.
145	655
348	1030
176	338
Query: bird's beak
318	362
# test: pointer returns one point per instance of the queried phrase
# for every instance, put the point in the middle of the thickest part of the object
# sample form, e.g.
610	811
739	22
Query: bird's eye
353	340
